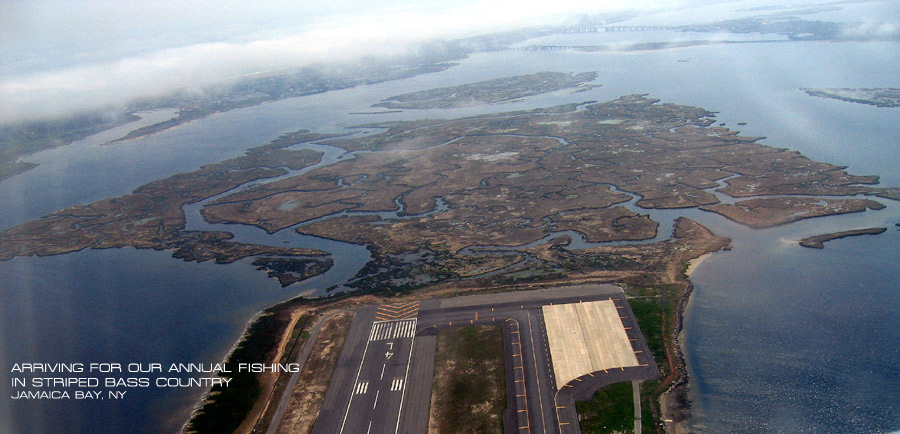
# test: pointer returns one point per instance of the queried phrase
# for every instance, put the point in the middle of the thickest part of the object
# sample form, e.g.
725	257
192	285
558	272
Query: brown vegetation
818	241
152	217
306	399
763	213
469	392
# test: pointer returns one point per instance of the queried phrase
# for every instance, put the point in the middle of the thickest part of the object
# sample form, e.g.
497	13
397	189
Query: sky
62	56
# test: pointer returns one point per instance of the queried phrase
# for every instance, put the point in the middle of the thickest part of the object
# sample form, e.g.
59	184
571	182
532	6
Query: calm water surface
779	338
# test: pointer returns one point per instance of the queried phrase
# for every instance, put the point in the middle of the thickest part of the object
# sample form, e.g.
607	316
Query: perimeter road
301	360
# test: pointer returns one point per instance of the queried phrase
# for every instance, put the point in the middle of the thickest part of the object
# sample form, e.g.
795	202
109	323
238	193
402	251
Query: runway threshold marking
405	376
397	384
347	412
397	329
380	331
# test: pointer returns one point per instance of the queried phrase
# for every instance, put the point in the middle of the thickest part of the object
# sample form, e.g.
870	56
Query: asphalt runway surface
382	382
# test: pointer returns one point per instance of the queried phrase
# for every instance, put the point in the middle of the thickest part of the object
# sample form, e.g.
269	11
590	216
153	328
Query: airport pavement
382	383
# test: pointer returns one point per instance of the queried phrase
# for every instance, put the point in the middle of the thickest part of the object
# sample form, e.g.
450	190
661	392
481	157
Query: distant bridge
620	29
543	48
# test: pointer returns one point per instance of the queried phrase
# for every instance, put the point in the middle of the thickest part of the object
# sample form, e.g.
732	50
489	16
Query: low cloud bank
879	31
397	32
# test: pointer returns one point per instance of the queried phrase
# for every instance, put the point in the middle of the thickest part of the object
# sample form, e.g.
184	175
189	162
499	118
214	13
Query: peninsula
818	241
483	203
152	217
500	90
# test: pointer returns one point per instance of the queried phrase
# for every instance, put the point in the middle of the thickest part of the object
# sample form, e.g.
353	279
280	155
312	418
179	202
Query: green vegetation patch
611	410
469	394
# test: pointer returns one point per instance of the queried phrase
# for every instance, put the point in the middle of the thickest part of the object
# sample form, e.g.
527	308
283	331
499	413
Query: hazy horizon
61	58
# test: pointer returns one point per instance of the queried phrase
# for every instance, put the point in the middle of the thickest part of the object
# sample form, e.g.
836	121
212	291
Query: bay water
779	338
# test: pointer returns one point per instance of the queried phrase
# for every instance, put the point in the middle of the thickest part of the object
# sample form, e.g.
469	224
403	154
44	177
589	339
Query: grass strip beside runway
610	411
469	393
306	399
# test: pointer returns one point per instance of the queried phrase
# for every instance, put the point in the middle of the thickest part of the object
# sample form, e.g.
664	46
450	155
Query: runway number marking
388	331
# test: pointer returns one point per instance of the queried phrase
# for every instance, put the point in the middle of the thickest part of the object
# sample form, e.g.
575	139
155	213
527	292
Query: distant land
27	138
463	186
879	97
22	139
490	92
818	241
484	202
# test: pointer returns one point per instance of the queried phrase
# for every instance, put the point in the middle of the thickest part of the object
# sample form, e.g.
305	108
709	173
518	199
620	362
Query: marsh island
484	202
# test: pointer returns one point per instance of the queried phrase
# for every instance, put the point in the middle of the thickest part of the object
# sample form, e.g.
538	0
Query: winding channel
349	258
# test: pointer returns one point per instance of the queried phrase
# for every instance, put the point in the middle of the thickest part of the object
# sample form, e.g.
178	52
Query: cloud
881	31
332	36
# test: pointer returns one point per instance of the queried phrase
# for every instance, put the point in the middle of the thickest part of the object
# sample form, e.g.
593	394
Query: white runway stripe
397	384
393	330
362	387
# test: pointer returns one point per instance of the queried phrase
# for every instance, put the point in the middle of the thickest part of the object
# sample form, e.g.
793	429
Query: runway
382	383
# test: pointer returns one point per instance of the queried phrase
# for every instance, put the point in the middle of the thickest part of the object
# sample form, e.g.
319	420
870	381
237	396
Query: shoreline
206	394
818	241
675	404
672	402
694	263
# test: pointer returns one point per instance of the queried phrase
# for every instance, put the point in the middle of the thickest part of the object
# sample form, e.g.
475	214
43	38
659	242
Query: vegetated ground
226	409
274	384
152	216
469	393
506	89
306	399
610	411
503	179
656	311
818	241
655	308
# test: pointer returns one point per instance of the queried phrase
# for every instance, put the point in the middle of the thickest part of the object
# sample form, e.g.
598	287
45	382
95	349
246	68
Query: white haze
64	57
